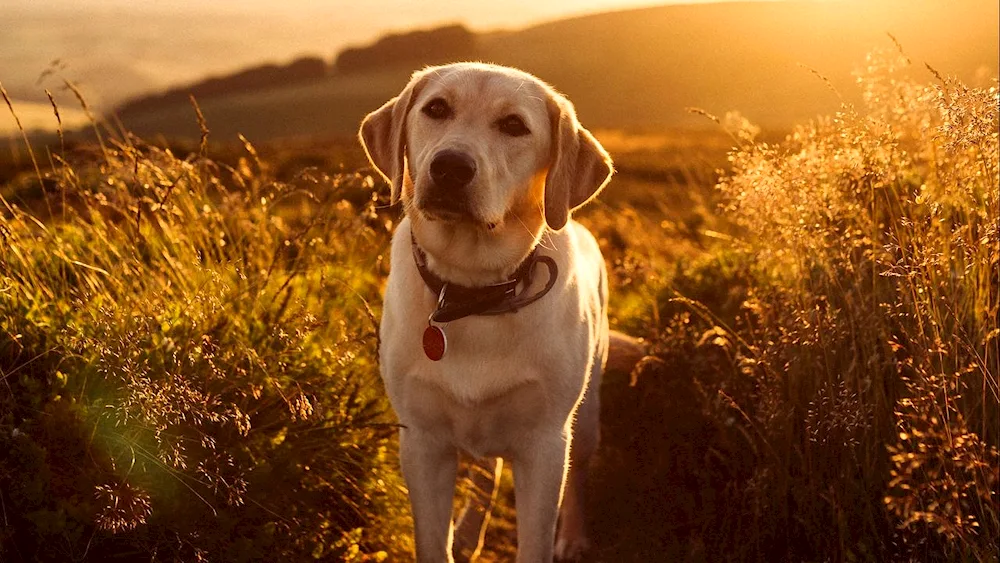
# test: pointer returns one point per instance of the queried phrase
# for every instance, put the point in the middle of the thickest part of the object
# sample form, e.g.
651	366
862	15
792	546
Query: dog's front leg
539	474
429	466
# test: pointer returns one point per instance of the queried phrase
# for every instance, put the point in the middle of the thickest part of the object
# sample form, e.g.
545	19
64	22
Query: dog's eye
513	125
437	109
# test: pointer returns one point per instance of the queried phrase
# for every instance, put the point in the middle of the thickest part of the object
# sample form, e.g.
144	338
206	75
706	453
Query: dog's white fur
522	386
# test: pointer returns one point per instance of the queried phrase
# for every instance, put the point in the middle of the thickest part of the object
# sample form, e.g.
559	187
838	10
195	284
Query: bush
188	364
861	370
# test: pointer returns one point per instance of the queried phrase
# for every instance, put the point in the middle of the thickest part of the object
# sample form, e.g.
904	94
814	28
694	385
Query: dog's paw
571	548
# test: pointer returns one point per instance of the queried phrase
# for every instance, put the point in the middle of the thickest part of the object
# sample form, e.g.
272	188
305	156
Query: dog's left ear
580	165
383	135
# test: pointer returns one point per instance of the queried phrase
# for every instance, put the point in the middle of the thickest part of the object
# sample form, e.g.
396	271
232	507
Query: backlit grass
187	346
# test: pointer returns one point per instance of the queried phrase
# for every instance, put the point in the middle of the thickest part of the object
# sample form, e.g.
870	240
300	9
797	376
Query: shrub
188	365
863	363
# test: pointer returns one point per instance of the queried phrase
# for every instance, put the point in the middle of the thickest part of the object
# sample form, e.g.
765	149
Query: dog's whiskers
523	224
409	207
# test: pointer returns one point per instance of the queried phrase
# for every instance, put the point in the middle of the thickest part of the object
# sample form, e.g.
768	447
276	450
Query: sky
374	15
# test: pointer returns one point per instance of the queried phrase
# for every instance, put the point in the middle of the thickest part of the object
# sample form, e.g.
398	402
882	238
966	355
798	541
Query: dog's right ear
383	135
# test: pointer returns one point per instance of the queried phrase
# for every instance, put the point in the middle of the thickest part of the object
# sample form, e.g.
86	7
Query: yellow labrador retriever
494	330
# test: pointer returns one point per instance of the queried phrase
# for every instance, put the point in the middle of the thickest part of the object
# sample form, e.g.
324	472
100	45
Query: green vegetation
188	371
187	355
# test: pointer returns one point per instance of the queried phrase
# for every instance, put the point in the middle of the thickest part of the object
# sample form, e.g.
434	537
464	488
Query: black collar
458	301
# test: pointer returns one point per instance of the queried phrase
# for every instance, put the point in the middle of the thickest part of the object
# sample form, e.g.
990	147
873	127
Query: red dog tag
435	343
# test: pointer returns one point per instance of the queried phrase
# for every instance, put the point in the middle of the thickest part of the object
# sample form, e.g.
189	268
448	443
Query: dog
494	329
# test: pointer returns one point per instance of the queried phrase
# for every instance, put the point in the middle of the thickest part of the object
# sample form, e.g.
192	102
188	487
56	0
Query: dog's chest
491	427
485	357
499	381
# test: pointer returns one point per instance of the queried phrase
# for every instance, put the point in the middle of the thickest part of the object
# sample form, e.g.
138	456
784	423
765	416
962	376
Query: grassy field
188	337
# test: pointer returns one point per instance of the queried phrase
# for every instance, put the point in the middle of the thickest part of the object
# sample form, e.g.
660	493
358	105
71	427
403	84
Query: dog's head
484	154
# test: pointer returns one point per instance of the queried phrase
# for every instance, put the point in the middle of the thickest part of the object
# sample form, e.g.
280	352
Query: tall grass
850	390
187	363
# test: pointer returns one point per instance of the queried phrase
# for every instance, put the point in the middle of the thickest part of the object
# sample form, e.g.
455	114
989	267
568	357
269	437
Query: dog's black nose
452	169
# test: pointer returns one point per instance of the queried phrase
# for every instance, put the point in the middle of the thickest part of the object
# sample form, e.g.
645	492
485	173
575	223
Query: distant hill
636	69
305	69
409	49
414	48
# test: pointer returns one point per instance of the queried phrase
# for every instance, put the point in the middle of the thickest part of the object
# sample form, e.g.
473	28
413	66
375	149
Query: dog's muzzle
451	172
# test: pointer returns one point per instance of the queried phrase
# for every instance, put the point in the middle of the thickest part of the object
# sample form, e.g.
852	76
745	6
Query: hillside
640	69
263	77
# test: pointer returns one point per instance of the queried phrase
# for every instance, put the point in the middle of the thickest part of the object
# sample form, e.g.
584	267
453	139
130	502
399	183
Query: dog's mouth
450	210
445	209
